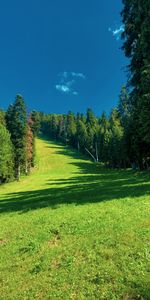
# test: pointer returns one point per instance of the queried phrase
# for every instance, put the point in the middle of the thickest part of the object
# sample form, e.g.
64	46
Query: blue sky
61	55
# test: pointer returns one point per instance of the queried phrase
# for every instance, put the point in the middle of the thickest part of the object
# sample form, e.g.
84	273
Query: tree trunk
78	146
141	163
96	151
18	172
90	154
26	169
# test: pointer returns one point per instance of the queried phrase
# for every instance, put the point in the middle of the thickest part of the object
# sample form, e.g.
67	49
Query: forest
113	141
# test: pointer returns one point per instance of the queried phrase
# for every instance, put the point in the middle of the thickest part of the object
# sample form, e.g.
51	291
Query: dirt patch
54	242
3	242
146	224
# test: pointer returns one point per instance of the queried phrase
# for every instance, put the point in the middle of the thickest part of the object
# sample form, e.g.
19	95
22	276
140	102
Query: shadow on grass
94	184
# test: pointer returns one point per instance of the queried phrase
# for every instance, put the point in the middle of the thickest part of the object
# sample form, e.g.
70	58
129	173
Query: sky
61	55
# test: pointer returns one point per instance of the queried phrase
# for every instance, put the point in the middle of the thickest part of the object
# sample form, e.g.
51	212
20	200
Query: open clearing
73	230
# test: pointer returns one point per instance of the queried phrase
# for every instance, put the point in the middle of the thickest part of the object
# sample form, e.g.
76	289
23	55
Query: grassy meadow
74	230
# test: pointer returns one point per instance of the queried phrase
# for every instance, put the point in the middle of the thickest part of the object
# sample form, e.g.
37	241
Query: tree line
17	146
104	139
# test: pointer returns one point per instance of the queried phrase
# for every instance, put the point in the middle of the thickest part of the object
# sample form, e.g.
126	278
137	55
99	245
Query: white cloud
79	75
67	81
117	32
70	83
62	88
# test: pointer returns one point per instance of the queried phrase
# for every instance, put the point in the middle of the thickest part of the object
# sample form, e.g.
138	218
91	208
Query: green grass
73	230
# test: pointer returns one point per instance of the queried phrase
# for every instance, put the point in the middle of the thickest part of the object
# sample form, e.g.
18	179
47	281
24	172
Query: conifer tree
115	142
30	146
2	117
103	138
71	128
81	135
91	124
16	120
36	119
136	19
54	126
6	155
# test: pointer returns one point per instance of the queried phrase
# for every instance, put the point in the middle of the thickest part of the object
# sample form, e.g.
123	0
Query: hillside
73	230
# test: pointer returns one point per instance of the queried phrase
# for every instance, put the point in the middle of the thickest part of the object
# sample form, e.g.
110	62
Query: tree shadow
93	184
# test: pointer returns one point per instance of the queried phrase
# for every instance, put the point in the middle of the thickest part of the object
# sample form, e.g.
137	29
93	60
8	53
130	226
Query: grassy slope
72	230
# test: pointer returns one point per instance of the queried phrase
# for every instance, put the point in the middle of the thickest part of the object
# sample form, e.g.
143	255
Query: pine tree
92	126
2	117
35	116
81	135
115	140
6	155
103	138
136	18
16	120
71	128
30	146
54	126
125	112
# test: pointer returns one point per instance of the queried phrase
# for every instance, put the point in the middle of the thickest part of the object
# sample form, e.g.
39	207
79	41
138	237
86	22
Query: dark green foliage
6	155
115	151
17	153
16	120
71	128
91	124
136	18
101	139
30	146
81	135
54	126
2	117
125	111
35	116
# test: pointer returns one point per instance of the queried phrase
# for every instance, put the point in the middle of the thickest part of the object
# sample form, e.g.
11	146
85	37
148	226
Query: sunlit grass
73	230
